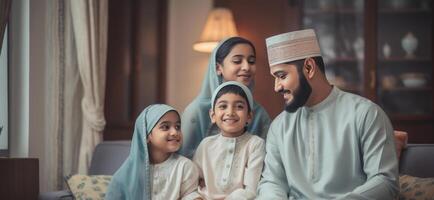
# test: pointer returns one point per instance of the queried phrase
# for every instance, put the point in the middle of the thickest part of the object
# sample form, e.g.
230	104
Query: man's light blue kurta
341	148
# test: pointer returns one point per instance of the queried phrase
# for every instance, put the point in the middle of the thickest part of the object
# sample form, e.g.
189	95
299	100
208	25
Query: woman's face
239	65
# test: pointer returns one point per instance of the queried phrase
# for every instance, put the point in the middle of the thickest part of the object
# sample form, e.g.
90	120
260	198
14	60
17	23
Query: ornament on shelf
358	46
386	50
328	42
389	82
409	44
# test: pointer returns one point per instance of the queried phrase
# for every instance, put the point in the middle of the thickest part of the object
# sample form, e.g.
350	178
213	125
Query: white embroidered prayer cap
292	46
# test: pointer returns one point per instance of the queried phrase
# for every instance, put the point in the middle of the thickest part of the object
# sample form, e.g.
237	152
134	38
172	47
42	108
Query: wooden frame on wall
4	90
136	63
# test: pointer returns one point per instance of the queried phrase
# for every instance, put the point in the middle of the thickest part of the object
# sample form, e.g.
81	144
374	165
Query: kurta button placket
228	160
312	147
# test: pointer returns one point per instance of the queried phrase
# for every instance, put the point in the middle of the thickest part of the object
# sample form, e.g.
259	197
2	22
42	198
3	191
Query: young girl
153	170
230	162
234	59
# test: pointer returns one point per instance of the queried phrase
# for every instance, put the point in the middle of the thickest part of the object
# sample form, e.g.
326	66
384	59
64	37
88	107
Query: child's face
166	136
231	114
239	65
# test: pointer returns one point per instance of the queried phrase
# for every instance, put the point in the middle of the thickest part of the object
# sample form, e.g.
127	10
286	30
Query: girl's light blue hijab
133	180
196	123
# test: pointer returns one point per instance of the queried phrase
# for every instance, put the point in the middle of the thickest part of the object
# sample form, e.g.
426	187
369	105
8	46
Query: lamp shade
219	25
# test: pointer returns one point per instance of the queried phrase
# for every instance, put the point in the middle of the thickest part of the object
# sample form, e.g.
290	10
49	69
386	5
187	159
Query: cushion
401	139
88	187
416	188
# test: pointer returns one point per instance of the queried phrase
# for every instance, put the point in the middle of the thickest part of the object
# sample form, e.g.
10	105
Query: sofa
107	158
416	160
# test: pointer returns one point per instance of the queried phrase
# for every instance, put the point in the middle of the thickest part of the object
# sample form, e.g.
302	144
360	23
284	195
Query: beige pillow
88	187
416	188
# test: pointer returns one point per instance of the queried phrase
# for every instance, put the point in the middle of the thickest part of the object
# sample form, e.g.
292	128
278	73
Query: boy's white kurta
340	148
175	178
230	167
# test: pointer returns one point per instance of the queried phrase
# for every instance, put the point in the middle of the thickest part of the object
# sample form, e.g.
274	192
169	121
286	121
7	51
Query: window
4	96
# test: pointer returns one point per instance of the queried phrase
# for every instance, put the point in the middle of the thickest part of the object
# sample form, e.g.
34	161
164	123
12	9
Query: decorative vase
389	81
358	47
387	50
327	41
409	44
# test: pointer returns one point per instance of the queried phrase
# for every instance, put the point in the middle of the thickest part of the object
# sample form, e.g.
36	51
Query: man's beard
301	94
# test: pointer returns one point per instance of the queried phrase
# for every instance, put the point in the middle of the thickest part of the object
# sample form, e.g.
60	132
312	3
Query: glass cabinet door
404	70
339	28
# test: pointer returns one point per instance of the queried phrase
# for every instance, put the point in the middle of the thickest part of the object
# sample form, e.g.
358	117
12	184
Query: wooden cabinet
368	46
19	178
404	68
381	50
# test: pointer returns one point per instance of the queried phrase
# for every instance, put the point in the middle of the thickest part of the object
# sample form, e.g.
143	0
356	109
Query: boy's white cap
242	86
292	46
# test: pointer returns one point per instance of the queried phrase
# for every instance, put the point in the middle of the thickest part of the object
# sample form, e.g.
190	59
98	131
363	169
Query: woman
234	59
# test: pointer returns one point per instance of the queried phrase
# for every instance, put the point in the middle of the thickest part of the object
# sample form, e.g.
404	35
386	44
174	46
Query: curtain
90	23
63	102
5	6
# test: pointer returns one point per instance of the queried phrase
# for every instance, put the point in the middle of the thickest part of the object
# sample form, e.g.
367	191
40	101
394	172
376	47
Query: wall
28	79
38	93
185	67
19	79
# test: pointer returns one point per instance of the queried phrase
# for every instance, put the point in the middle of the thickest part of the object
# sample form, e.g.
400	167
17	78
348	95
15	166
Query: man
327	144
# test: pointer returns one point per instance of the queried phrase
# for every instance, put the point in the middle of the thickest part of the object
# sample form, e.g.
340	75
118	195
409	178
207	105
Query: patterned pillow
88	187
416	188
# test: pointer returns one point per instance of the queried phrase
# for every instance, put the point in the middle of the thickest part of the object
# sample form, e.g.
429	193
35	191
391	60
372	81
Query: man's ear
310	67
212	115
219	69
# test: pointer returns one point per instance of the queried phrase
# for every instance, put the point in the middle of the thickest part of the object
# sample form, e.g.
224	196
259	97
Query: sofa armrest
56	195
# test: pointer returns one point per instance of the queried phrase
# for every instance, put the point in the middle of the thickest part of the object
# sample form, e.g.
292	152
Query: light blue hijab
133	180
196	123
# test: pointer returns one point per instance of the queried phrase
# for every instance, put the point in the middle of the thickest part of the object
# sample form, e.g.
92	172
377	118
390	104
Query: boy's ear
212	115
219	69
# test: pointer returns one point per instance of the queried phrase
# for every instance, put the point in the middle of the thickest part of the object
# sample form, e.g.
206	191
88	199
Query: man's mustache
283	91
